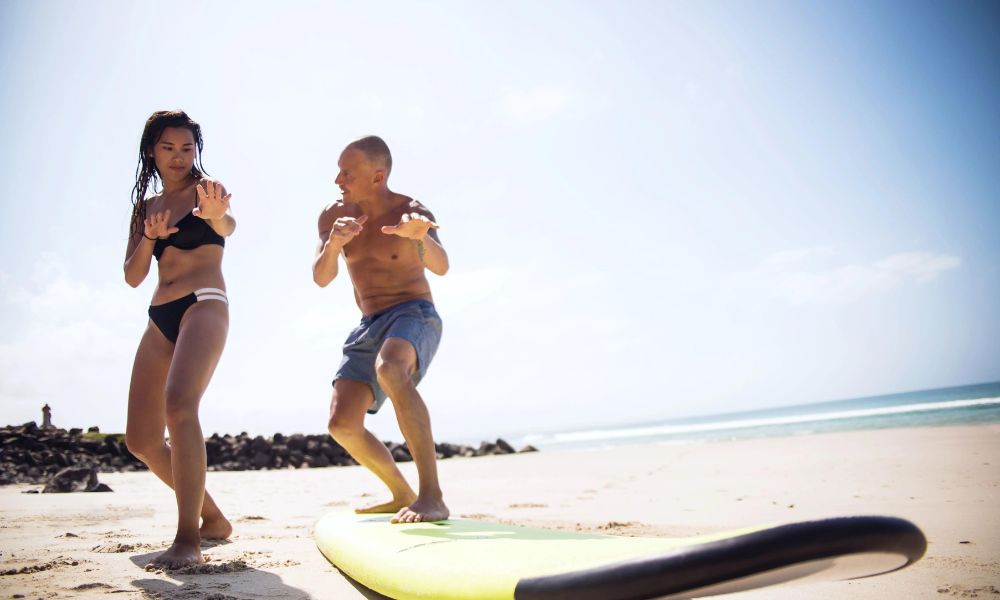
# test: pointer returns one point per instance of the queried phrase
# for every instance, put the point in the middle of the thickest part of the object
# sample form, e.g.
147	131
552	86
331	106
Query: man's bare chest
373	245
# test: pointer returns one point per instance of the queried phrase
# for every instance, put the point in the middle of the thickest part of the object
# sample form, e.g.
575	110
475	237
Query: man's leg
397	360
348	407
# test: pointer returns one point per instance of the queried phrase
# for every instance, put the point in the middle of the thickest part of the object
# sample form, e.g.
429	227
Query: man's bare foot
422	510
180	554
391	506
216	529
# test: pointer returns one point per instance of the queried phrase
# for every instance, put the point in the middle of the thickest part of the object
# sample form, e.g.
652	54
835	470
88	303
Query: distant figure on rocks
46	417
388	241
184	227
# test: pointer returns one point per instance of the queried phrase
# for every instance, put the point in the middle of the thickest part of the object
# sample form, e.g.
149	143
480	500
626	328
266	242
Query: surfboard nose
830	549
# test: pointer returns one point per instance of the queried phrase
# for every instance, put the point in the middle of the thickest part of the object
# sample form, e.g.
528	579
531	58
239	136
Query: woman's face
174	154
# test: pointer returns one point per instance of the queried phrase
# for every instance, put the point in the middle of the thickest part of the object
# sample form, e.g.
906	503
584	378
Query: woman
184	227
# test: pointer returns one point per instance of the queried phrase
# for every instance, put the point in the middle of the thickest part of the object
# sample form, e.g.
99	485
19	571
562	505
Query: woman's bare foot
391	506
180	554
218	528
422	510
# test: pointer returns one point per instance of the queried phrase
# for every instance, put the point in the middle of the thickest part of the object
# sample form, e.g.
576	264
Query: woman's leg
144	432
196	354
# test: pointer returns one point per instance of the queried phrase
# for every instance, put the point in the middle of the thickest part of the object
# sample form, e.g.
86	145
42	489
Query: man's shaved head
376	150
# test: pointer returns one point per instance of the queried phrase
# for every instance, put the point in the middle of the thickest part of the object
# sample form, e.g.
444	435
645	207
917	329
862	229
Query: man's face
356	176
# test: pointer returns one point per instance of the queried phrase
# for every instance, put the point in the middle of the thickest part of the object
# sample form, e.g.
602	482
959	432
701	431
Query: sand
946	480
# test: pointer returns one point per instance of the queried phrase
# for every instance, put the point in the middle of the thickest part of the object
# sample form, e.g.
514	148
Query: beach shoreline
944	479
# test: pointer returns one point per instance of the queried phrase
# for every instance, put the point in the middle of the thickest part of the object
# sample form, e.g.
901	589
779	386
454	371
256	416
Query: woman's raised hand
157	225
211	203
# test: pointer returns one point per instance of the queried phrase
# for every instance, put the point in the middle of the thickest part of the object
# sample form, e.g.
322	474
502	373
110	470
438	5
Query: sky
652	209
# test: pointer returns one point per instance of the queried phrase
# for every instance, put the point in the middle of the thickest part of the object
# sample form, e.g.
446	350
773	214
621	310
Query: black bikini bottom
167	317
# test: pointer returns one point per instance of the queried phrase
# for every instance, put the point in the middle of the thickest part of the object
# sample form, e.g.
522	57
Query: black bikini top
192	232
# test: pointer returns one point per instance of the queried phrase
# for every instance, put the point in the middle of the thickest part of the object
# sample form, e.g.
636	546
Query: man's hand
211	204
346	229
413	226
158	226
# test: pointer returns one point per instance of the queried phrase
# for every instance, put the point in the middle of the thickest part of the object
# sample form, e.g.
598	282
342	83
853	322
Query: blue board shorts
415	321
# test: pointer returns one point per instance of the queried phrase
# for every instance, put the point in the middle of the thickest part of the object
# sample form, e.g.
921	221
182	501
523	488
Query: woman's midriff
184	271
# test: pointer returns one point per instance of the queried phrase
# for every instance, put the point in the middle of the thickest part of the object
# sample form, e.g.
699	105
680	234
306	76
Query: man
387	240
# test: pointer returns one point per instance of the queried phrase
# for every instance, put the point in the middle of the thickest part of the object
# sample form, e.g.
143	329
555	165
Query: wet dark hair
146	172
375	149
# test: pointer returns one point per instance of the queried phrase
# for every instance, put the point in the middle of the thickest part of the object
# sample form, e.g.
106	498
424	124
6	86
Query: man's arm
432	253
325	265
418	225
334	234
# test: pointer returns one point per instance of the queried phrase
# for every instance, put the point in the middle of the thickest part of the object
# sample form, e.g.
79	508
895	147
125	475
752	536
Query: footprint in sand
92	586
611	525
278	564
52	564
119	547
230	566
961	591
122	533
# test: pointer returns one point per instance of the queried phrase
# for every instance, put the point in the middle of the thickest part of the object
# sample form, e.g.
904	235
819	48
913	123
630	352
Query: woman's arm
139	252
213	207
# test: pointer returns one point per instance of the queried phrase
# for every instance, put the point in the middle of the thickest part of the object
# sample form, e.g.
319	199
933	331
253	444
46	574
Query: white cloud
60	337
789	257
533	105
921	266
794	277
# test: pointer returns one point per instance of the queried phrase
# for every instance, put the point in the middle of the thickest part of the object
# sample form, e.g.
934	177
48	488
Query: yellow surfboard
463	559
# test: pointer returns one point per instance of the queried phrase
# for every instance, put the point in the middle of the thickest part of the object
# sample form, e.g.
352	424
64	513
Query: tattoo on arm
421	250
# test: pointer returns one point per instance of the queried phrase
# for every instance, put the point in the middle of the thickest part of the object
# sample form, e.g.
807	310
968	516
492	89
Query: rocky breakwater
32	454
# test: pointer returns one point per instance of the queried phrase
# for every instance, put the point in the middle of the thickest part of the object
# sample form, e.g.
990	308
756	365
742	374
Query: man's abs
378	289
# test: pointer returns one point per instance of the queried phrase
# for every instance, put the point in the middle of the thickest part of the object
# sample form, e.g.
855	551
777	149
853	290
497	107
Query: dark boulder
81	478
296	441
503	447
400	453
259	444
261	460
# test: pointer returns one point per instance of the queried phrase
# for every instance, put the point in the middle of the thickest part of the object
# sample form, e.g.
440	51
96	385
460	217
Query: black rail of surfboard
725	560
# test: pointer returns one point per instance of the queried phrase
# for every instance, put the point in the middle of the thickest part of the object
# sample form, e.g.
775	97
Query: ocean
967	404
